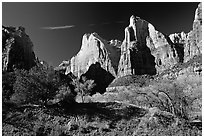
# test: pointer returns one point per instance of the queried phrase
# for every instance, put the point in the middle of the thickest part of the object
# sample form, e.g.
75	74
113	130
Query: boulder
17	49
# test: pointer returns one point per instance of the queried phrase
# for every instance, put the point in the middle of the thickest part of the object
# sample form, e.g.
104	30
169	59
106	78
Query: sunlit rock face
97	59
17	49
146	50
95	49
179	38
193	44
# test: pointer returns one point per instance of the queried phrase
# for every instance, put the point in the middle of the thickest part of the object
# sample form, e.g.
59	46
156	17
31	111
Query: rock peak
17	49
133	20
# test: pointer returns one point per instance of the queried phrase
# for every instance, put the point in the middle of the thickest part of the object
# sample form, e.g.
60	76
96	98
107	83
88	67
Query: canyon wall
17	49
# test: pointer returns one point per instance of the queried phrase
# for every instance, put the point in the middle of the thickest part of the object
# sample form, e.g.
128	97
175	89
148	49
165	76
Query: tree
8	79
83	87
36	86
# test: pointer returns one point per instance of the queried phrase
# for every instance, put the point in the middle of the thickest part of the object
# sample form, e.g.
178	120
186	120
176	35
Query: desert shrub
84	87
36	86
182	94
47	125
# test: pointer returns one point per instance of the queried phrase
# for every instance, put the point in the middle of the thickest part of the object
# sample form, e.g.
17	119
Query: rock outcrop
178	38
95	49
97	60
146	50
63	67
17	49
193	44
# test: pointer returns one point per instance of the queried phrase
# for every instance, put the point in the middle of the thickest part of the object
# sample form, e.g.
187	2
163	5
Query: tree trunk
82	98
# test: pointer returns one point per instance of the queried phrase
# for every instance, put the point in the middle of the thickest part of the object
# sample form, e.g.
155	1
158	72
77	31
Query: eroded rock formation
178	38
193	44
95	49
146	50
17	49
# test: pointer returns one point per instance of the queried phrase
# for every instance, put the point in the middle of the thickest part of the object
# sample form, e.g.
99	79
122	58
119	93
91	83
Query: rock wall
95	49
17	49
193	44
146	50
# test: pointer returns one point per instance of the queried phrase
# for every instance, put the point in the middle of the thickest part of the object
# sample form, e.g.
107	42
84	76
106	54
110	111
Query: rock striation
95	49
193	44
17	49
146	50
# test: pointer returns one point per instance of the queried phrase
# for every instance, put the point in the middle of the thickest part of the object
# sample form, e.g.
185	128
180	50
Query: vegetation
37	102
8	79
35	86
83	87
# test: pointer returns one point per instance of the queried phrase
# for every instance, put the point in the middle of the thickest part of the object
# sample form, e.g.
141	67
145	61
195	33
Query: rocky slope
17	49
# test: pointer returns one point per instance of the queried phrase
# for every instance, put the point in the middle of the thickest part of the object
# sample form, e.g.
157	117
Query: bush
84	87
64	95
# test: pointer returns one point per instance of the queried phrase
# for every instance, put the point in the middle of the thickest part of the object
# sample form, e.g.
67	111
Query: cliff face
95	49
17	49
193	44
97	60
136	57
145	50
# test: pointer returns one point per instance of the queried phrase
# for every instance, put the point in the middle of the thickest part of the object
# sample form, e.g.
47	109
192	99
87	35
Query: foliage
36	86
181	97
8	79
89	119
84	87
64	95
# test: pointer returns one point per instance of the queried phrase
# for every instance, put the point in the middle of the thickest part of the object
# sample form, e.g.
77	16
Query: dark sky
107	19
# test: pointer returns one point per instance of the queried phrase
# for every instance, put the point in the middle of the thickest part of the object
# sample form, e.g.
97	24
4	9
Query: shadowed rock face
146	51
17	49
101	77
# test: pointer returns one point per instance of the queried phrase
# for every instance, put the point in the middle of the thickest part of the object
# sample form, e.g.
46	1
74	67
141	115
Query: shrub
182	94
64	95
83	87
